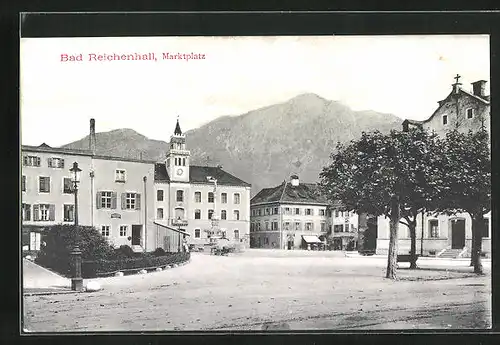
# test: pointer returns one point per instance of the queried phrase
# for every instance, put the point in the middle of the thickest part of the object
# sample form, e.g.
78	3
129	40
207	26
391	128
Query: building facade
444	235
207	202
292	215
140	203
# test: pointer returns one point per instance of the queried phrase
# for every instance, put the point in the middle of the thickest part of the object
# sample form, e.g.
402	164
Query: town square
321	201
272	290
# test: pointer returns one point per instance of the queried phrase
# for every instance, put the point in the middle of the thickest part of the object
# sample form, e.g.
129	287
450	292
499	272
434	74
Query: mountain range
262	147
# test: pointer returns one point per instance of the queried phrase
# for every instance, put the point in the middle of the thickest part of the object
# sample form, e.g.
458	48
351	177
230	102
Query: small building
292	215
443	235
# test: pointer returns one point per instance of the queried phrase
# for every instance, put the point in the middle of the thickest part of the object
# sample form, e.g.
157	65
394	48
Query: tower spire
177	130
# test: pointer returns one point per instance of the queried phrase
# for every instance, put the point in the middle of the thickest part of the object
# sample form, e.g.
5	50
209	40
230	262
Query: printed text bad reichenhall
102	57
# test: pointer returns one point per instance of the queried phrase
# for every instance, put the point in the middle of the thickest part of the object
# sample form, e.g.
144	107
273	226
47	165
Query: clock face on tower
179	172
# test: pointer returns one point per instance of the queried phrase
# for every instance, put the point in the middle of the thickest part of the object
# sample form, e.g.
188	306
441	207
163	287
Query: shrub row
93	268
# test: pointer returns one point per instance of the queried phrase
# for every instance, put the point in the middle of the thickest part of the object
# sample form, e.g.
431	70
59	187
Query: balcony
179	222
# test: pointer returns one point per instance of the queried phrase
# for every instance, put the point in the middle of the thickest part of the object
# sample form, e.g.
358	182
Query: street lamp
75	178
76	254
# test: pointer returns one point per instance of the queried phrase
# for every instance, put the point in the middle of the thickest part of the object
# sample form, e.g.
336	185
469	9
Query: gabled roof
304	193
463	92
199	174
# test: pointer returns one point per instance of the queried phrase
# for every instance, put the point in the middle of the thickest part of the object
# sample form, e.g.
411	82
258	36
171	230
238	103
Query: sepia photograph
255	183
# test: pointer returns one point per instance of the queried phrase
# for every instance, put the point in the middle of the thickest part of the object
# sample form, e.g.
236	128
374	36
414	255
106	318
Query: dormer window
470	113
445	119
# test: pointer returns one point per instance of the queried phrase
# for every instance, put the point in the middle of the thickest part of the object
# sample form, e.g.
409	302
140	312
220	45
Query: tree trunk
477	225
472	252
413	245
362	227
393	240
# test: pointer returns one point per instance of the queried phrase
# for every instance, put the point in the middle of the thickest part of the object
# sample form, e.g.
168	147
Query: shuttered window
131	201
26	212
55	162
44	212
31	161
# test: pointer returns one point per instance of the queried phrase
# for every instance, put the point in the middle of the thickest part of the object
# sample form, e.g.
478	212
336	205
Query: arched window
236	215
210	214
210	197
236	235
180	195
196	233
197	214
223	214
184	161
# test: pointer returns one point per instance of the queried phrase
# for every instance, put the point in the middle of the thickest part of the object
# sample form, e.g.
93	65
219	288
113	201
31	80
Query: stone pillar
77	280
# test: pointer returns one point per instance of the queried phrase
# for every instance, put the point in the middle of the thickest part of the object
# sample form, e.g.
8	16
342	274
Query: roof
304	193
177	130
484	100
199	174
79	152
59	150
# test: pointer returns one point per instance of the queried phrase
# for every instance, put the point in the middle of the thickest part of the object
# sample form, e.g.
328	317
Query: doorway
457	234
136	235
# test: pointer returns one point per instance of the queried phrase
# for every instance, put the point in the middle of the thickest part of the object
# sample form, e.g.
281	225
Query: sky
401	75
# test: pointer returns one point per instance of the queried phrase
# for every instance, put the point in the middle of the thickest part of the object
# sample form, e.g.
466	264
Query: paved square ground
262	289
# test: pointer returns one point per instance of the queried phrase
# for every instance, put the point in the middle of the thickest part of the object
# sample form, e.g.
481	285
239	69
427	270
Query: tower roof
177	129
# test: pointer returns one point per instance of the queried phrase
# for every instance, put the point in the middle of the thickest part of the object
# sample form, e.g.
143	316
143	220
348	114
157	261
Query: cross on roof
456	78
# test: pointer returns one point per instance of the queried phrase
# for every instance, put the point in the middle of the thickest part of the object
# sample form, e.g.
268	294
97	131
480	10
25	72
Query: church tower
177	162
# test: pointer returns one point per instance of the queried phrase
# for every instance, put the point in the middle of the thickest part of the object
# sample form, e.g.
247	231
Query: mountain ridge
262	146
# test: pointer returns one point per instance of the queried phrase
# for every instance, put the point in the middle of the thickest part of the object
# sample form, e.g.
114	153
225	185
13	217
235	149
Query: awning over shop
164	225
311	239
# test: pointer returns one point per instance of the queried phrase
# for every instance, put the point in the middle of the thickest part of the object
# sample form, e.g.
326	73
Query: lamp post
76	254
75	177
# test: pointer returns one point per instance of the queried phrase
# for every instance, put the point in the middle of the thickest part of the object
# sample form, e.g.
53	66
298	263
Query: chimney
92	140
479	87
295	180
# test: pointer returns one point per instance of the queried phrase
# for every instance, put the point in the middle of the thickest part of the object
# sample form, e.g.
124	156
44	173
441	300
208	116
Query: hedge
94	268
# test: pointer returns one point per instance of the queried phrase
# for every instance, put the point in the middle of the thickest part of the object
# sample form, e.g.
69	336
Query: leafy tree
61	239
392	175
467	182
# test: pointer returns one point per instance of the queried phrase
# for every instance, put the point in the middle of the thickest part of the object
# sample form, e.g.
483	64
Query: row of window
179	214
106	230
35	161
308	226
46	212
108	200
343	228
267	211
179	197
434	228
236	234
44	182
469	114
